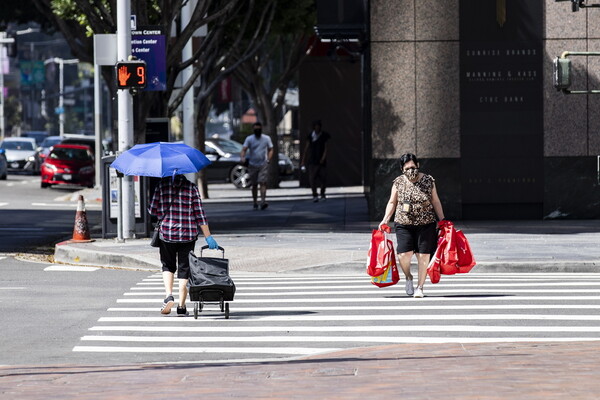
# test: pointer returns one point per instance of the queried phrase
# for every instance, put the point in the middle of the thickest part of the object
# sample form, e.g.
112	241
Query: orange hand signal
123	76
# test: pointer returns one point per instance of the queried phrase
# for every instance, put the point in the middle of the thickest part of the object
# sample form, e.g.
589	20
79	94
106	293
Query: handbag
155	239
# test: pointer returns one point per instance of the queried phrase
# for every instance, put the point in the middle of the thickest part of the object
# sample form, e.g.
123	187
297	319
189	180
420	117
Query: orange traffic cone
81	232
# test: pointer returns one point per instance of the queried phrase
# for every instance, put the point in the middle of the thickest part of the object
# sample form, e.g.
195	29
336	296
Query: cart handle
206	247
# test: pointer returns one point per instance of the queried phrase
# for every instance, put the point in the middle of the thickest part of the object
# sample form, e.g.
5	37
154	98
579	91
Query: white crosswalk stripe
300	315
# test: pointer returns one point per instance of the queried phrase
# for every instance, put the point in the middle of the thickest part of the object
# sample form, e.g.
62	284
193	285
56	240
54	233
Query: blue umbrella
160	159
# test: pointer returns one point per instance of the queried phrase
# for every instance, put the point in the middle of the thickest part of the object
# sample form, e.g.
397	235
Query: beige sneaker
167	305
410	290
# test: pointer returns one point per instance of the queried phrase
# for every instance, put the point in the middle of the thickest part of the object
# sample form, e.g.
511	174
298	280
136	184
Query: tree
78	20
266	75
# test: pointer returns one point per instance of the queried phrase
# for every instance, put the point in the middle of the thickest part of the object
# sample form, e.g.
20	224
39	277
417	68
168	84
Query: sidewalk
295	234
533	371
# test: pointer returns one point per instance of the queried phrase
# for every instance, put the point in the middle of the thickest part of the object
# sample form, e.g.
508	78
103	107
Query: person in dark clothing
316	151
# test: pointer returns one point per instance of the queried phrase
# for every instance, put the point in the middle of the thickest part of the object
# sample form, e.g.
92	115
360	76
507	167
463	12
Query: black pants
175	256
318	173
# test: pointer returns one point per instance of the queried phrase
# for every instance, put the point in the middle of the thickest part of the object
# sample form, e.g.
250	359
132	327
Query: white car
20	153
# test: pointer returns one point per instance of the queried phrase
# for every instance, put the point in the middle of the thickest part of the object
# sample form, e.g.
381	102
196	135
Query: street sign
148	43
131	74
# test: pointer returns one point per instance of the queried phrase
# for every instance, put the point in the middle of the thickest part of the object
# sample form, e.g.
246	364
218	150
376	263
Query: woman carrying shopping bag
414	203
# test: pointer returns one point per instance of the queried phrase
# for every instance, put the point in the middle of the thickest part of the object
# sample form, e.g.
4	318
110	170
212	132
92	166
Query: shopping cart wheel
226	310
196	310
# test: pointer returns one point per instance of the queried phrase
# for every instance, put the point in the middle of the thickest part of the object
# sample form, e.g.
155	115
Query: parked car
20	154
39	136
44	148
88	140
68	164
3	165
84	140
226	167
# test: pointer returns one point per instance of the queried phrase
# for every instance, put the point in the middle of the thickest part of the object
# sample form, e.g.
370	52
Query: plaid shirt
184	217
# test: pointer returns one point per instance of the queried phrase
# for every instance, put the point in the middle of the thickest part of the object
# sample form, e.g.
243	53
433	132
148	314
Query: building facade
466	85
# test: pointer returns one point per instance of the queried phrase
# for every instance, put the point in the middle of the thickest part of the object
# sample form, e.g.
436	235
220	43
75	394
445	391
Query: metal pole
61	100
97	121
2	127
125	115
188	100
3	41
120	206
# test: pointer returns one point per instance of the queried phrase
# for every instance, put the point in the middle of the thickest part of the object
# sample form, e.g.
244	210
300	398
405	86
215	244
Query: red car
68	164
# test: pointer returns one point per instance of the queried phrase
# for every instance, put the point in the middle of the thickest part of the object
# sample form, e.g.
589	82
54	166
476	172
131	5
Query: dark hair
317	122
404	158
257	123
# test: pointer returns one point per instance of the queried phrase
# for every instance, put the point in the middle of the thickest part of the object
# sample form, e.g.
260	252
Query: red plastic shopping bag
381	261
434	269
380	251
466	260
453	254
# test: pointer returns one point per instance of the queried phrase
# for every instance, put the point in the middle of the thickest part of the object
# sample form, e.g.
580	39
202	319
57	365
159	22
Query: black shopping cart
210	282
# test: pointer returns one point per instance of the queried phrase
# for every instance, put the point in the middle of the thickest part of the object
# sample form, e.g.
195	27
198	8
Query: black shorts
421	239
175	257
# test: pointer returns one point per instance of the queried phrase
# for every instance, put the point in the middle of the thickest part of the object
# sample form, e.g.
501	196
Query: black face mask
258	132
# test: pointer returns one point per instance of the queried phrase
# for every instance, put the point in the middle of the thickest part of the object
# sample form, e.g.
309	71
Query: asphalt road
32	217
46	309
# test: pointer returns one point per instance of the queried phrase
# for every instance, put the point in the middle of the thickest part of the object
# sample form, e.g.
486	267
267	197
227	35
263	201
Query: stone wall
415	103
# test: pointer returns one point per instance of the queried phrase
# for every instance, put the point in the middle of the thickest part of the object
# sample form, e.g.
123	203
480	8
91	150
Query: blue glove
212	243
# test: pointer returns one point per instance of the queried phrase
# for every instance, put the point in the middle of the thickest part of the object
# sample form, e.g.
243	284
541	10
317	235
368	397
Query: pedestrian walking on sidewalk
176	203
316	150
414	202
259	149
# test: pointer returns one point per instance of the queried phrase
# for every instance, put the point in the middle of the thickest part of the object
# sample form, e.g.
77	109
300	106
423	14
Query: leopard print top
418	195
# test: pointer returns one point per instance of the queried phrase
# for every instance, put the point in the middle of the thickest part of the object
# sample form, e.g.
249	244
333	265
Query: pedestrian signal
131	74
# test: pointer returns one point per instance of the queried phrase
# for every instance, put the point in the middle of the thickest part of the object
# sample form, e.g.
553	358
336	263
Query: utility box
110	201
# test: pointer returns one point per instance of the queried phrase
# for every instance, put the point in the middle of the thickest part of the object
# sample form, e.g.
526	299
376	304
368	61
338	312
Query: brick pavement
450	371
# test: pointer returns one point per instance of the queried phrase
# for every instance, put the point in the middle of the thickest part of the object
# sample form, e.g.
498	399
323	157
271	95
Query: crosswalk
281	316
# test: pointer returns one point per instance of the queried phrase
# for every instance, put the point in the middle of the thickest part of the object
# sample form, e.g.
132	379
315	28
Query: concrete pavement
296	234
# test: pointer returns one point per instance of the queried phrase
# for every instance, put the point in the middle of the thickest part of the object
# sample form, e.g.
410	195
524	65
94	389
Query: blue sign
148	44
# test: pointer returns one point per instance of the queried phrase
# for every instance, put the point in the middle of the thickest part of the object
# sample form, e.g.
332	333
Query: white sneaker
419	292
410	289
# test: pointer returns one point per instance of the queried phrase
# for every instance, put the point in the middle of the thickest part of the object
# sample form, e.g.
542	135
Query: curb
66	254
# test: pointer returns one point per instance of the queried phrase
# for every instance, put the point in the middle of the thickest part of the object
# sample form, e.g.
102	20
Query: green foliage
12	108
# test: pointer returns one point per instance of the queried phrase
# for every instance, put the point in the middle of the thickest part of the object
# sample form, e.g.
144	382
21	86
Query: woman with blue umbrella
177	205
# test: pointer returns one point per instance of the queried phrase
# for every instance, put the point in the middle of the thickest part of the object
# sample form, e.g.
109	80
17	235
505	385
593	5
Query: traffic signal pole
3	40
125	119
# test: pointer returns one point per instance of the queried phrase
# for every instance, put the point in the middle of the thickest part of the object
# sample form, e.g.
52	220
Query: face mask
258	132
411	173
